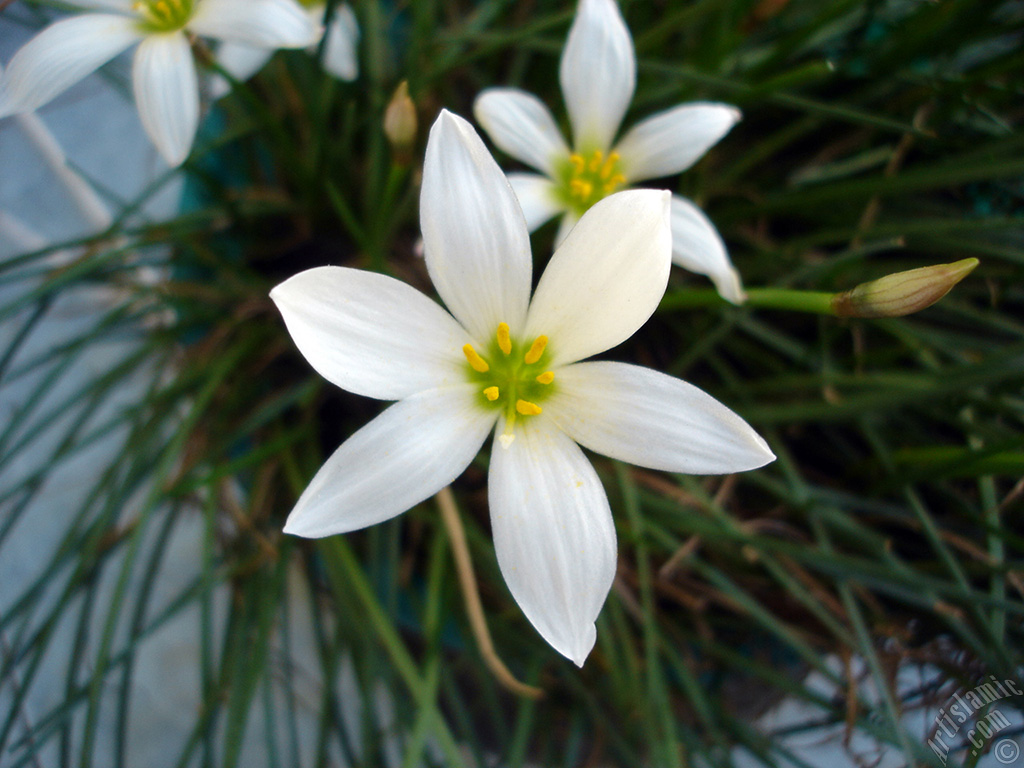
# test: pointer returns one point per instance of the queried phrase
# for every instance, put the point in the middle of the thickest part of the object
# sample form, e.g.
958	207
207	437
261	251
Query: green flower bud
400	124
902	293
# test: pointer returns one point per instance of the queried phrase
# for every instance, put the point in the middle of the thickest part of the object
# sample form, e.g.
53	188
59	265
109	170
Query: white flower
163	72
598	76
506	363
339	57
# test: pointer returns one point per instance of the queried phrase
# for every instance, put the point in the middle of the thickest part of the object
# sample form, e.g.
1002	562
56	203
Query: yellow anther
578	163
609	165
527	408
163	7
491	393
581	188
504	342
595	161
536	350
476	362
546	378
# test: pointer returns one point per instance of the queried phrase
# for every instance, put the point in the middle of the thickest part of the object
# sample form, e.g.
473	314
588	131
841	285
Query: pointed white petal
597	73
260	23
407	454
606	279
672	141
521	126
650	419
697	246
341	52
553	533
536	196
371	334
565	226
64	53
167	94
240	61
474	234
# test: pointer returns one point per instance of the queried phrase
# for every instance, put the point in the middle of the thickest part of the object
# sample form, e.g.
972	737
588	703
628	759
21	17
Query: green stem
816	302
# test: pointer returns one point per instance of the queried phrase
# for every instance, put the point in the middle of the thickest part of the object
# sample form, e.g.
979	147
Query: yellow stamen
581	188
609	165
477	363
595	161
491	393
546	378
504	342
536	350
578	163
527	408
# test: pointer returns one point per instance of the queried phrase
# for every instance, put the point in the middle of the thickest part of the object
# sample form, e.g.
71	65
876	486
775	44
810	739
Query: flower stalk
895	295
471	595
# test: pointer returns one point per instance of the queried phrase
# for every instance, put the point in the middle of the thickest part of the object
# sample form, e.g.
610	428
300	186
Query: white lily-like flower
508	363
340	54
163	72
598	77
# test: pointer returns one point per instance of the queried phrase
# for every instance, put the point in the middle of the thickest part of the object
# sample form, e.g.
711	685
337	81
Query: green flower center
311	3
589	178
164	15
512	377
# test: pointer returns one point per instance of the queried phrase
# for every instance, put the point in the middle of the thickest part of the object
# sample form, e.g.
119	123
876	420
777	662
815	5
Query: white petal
371	334
598	74
606	279
672	141
64	53
697	246
553	534
536	196
260	23
476	243
407	454
341	57
650	419
240	61
167	94
521	126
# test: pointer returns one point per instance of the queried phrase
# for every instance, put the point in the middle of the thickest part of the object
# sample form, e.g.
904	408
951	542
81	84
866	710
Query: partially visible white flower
598	77
89	204
507	363
163	72
340	56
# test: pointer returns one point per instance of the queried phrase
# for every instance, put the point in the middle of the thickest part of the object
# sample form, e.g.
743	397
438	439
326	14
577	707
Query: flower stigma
589	178
514	377
163	15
